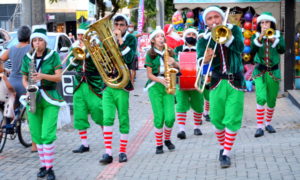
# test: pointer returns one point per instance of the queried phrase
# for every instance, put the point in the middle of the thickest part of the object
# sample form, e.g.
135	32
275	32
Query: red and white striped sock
49	154
181	118
158	136
197	120
269	116
108	135
260	114
229	141
83	137
220	137
206	108
123	143
41	154
168	132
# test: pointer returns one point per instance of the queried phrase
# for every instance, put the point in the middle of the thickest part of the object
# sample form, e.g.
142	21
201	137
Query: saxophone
170	73
32	87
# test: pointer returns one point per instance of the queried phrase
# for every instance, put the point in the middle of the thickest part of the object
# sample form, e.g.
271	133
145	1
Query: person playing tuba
118	99
227	82
163	104
88	91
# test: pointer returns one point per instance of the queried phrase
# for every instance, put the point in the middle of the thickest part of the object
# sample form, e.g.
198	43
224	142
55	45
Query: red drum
188	69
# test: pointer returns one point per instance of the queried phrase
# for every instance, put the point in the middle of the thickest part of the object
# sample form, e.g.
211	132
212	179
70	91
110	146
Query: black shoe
207	118
169	145
197	132
159	150
42	173
221	154
259	132
122	157
50	174
181	135
81	149
270	129
225	161
106	159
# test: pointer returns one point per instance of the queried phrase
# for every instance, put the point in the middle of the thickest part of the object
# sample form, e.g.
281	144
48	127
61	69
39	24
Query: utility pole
160	15
33	12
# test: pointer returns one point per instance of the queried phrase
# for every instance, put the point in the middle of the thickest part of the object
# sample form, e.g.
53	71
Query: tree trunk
33	12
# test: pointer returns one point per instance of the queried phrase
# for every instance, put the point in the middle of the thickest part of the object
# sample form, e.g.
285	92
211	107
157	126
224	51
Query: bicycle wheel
23	129
3	134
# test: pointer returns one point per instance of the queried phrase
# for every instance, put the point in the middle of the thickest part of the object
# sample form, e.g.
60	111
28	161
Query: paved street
273	156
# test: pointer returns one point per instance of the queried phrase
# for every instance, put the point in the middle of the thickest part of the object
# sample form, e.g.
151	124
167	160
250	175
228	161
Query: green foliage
53	1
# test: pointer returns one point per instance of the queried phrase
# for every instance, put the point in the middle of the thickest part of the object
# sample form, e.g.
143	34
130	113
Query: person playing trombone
267	45
88	89
227	81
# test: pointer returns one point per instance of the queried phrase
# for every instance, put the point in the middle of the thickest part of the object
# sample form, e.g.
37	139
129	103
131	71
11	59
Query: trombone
220	34
79	54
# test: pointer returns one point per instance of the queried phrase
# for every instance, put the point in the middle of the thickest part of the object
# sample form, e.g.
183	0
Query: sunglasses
120	24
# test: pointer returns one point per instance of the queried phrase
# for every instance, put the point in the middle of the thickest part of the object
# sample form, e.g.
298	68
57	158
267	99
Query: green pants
86	102
43	122
162	106
116	99
189	99
206	94
266	90
226	106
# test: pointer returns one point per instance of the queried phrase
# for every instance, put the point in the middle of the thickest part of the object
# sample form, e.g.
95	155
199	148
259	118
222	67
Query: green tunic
232	53
260	49
50	63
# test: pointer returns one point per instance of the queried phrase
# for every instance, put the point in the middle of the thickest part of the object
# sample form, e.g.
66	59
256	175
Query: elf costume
87	95
43	122
266	74
162	102
227	86
118	99
187	99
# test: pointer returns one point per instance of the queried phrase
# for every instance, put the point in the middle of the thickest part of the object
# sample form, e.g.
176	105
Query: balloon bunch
190	19
177	21
248	27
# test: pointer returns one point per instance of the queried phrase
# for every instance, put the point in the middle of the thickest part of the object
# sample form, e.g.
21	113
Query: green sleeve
201	46
281	45
254	47
237	45
176	53
128	49
25	65
56	61
148	61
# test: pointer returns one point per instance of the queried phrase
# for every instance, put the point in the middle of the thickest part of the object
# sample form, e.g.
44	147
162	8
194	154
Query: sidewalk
273	156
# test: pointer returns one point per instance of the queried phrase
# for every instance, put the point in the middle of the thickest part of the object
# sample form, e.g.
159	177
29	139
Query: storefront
61	22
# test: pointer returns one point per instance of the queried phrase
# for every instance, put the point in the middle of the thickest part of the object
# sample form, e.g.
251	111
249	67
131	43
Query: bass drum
188	69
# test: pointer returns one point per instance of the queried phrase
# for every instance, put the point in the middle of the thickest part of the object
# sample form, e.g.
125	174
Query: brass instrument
106	54
270	33
32	88
78	53
220	34
170	73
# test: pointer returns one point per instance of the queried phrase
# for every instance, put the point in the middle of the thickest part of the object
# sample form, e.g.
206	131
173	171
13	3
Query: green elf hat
82	28
211	9
39	31
266	16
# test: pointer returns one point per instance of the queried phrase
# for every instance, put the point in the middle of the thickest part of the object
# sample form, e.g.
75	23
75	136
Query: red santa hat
168	28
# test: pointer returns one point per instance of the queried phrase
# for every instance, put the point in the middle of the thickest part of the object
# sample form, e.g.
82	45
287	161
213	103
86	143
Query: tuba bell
106	54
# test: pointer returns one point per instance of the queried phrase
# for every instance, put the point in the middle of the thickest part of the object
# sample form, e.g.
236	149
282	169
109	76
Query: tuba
170	73
32	88
106	54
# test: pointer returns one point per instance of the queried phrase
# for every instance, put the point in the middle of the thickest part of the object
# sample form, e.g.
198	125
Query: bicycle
17	127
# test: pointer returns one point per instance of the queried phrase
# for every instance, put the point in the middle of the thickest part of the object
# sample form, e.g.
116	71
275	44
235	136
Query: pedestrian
43	122
87	94
187	99
163	104
227	82
267	45
71	37
118	99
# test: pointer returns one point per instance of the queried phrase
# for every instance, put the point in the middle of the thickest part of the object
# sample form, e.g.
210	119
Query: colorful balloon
247	34
248	25
246	57
247	42
248	16
254	26
247	50
190	14
254	20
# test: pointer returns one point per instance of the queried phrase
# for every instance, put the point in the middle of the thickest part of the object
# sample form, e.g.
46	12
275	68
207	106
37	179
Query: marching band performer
266	75
188	98
87	95
43	122
227	82
162	103
118	99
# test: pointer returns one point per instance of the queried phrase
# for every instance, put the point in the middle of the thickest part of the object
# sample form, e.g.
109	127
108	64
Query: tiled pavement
273	156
